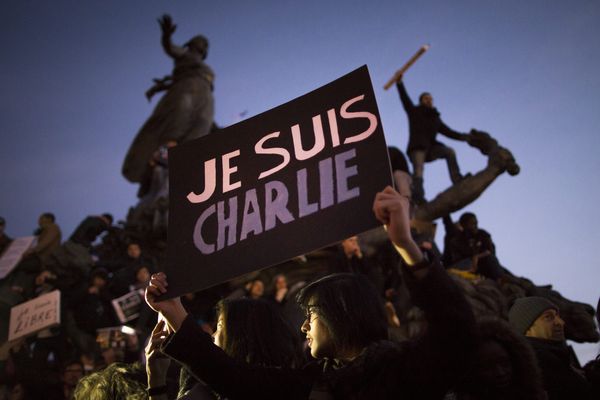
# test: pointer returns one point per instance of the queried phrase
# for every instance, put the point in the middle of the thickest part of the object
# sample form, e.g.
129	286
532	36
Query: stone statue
470	188
186	110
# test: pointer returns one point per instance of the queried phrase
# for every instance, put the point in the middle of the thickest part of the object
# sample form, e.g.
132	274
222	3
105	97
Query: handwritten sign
293	179
13	255
33	316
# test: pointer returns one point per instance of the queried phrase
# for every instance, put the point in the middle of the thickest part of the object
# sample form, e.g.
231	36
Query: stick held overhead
406	66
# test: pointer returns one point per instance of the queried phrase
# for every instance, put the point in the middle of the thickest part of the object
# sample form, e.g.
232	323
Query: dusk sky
73	76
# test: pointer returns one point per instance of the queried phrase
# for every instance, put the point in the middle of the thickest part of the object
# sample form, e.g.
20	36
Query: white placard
128	306
33	316
12	256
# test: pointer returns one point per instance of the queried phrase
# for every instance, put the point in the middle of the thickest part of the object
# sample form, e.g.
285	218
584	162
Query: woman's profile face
317	334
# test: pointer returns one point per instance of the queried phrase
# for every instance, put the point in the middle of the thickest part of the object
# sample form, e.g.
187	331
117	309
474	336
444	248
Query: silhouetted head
425	99
108	218
468	221
198	44
397	160
46	219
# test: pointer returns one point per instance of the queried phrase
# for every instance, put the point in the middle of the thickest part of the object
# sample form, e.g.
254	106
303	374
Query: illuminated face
280	282
257	289
143	275
218	335
98	282
72	374
317	334
549	326
134	251
351	247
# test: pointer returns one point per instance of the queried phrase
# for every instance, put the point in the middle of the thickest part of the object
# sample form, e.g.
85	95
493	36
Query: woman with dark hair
505	366
351	324
256	332
250	331
346	330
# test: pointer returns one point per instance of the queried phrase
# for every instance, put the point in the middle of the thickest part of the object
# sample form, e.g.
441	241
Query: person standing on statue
185	112
424	123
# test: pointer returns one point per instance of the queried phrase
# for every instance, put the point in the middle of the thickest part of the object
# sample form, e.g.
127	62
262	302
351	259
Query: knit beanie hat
526	310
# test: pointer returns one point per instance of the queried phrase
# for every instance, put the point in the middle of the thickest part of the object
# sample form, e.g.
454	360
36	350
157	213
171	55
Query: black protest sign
283	183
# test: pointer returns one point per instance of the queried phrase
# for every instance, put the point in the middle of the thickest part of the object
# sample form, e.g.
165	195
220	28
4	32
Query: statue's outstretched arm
167	28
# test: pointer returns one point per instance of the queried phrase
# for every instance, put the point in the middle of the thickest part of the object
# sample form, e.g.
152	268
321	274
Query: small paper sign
13	255
33	316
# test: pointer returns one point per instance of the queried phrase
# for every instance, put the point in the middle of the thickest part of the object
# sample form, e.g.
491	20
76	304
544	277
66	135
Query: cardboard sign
114	337
128	306
33	316
283	183
12	256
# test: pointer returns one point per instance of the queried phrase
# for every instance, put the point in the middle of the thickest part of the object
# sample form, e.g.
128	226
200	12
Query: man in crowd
49	237
539	320
424	123
468	247
90	228
72	372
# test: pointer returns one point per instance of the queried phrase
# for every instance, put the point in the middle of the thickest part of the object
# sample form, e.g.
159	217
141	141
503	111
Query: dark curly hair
115	382
526	380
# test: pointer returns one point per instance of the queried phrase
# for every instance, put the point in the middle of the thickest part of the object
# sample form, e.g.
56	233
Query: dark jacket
562	380
422	368
424	123
88	230
48	241
462	244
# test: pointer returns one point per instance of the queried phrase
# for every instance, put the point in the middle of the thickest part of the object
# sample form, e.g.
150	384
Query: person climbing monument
424	123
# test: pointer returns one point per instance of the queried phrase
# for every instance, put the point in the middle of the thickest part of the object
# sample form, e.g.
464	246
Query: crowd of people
335	335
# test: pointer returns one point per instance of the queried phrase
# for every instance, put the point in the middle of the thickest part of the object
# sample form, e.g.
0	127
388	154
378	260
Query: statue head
198	43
